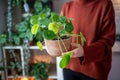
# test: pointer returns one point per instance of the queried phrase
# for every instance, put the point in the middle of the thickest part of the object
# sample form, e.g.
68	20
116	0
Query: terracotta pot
53	48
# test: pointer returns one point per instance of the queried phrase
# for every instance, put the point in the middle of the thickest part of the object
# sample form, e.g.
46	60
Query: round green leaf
3	38
22	35
53	27
39	44
64	61
21	27
34	29
39	36
48	34
38	6
16	39
55	17
29	35
34	19
69	27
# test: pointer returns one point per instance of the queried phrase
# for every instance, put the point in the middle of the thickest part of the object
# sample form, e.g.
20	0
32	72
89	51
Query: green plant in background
39	70
13	63
3	39
24	27
1	67
23	30
15	68
42	6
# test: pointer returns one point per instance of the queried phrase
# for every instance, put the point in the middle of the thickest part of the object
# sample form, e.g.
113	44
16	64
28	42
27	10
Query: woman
95	19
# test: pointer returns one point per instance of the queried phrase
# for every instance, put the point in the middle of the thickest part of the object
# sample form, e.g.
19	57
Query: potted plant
39	70
52	28
56	32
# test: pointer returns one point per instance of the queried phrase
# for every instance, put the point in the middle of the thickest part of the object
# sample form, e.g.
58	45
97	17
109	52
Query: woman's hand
78	51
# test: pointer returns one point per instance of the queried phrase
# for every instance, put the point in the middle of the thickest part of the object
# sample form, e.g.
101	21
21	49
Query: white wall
57	5
2	15
115	71
116	4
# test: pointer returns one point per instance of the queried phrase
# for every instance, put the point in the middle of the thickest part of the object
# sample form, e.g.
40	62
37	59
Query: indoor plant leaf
65	59
29	35
39	36
39	44
46	11
35	29
48	34
34	19
62	19
16	39
83	40
42	16
53	27
3	39
54	17
44	22
38	6
69	27
22	35
21	27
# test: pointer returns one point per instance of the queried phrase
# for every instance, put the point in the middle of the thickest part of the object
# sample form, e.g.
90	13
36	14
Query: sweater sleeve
98	50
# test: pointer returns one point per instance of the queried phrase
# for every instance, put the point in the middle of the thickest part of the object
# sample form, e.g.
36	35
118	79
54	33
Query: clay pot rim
67	38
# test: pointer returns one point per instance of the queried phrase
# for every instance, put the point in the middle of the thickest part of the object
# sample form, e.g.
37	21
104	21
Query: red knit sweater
95	19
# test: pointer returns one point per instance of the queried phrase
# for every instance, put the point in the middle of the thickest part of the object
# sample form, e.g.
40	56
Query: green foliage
39	70
24	30
42	6
52	26
3	39
14	65
65	60
1	68
48	34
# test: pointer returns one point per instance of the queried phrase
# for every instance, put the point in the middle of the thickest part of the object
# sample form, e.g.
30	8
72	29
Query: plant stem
63	44
59	39
60	45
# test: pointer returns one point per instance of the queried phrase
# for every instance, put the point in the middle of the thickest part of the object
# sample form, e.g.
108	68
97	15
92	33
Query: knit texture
95	19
